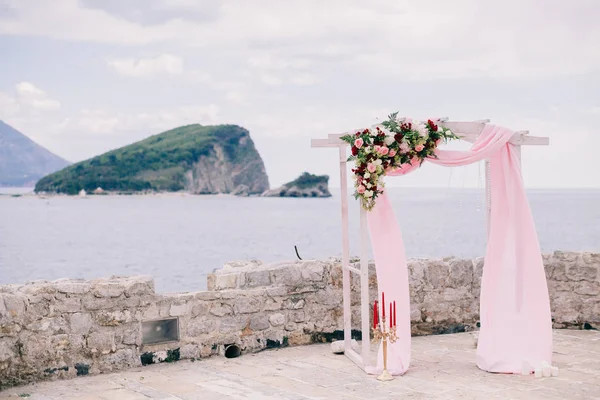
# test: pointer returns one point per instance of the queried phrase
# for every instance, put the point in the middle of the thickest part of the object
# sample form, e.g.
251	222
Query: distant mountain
195	158
306	185
22	161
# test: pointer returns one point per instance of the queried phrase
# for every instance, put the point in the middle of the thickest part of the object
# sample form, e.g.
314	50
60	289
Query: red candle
375	315
383	304
394	312
391	319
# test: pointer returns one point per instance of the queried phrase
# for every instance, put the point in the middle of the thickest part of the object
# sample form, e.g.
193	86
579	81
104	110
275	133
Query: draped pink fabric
516	325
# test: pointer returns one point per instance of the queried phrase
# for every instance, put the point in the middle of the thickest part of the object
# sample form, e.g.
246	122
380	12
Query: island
193	158
306	185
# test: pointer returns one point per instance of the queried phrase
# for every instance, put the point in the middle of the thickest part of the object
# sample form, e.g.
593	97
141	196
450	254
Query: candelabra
385	334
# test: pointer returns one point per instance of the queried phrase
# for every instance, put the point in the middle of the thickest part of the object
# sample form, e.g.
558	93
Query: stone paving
443	367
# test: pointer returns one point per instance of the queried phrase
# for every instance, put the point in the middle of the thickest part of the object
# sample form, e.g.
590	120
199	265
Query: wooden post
345	251
364	286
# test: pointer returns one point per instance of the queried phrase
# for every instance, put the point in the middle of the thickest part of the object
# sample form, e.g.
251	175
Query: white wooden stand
468	131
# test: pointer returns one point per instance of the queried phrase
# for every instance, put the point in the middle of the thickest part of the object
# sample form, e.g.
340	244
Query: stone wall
74	327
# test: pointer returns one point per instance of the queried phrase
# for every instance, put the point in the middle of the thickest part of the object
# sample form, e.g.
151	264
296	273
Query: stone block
67	305
277	291
233	324
200	308
246	305
139	285
101	342
461	273
312	271
72	287
14	304
177	310
200	326
272	305
556	271
48	325
103	303
259	323
221	309
123	358
297	316
287	276
591	259
291	326
582	273
226	281
132	335
113	318
107	289
258	278
80	323
588	288
436	274
277	319
190	351
294	303
7	350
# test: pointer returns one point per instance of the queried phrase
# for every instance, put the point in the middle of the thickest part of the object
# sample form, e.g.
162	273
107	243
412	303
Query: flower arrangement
394	143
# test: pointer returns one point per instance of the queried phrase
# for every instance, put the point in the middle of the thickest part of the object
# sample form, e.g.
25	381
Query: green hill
196	158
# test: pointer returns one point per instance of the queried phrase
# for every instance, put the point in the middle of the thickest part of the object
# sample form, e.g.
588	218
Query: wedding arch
516	326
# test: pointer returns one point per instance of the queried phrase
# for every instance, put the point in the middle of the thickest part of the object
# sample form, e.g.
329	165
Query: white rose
367	175
389	140
378	161
448	132
368	194
440	129
367	150
369	186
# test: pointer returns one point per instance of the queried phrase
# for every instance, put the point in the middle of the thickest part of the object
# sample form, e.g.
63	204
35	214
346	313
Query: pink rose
404	147
392	153
376	148
358	143
361	189
419	147
384	150
371	167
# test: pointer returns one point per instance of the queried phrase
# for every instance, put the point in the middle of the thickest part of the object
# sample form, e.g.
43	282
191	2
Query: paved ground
443	367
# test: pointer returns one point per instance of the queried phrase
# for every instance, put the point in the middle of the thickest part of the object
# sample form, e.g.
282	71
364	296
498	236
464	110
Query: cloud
425	40
304	80
99	121
269	62
166	64
26	99
270	80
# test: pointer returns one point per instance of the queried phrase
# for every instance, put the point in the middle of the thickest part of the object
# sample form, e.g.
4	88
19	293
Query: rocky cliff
306	185
195	158
22	161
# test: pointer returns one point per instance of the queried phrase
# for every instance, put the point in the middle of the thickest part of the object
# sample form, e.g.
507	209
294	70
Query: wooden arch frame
467	131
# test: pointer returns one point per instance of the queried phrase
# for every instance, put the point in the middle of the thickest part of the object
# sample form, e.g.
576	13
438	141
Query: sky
82	77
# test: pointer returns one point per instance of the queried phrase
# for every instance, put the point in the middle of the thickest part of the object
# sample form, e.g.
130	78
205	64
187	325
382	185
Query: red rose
354	150
398	137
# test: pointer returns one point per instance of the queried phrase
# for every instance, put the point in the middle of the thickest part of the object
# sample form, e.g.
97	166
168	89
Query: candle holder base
385	376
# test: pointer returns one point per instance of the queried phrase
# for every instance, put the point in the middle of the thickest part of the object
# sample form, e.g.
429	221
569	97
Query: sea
180	238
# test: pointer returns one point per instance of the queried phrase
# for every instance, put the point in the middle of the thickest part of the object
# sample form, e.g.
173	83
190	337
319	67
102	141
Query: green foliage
157	163
307	180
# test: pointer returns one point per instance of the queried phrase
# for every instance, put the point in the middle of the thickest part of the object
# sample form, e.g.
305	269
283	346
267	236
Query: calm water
178	239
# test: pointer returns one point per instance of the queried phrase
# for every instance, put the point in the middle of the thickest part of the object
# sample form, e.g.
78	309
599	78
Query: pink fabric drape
516	325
